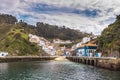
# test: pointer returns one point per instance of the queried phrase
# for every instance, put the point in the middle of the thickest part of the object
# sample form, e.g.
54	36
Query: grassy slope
15	41
4	29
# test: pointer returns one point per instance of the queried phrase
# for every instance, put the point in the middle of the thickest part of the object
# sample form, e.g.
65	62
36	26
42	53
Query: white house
34	38
78	44
73	47
87	50
58	41
99	54
41	43
68	42
30	35
85	39
3	54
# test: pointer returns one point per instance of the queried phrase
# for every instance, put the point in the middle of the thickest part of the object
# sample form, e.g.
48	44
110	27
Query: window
2	54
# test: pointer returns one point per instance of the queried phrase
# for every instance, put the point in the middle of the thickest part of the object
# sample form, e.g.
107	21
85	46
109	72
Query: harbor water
54	70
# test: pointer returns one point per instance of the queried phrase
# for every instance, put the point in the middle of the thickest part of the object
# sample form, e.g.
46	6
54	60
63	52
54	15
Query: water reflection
3	67
54	70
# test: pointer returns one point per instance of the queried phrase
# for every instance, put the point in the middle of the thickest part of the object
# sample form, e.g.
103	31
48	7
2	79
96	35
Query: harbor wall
25	58
107	63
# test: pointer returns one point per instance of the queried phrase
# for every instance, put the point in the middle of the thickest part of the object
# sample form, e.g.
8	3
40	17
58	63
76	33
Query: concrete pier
25	58
108	63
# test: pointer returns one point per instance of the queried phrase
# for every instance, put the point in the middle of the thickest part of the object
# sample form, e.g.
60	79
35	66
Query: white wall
86	39
3	54
80	52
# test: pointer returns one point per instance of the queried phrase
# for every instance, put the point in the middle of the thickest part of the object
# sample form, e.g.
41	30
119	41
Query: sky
84	15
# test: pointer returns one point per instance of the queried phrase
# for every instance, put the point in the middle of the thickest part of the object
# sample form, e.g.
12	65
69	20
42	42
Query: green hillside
4	29
14	35
14	38
15	41
109	41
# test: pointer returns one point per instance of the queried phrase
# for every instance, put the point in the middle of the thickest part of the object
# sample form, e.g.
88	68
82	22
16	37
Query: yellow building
59	52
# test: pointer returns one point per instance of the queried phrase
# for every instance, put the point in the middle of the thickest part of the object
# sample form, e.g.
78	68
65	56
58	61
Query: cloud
85	15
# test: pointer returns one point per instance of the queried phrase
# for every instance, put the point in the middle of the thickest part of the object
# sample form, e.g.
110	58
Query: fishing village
59	40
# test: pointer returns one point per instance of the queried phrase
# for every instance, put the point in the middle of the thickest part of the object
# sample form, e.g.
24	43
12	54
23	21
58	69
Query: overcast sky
85	15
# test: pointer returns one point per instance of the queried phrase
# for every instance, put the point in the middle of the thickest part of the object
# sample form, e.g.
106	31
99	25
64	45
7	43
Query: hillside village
50	48
14	36
59	39
53	48
18	38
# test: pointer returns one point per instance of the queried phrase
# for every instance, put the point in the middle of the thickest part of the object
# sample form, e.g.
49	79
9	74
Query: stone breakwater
107	63
25	58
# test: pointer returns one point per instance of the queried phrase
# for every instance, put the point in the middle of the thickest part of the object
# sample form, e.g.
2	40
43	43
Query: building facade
3	54
87	50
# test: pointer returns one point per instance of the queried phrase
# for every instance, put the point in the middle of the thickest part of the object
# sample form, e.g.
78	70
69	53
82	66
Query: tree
9	19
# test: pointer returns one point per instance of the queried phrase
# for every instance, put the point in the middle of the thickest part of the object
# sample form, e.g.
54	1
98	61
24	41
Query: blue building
87	50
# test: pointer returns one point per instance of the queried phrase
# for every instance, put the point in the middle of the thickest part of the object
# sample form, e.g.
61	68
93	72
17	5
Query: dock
102	62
